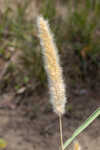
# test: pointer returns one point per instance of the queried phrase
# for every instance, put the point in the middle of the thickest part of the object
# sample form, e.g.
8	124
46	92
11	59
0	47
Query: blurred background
24	98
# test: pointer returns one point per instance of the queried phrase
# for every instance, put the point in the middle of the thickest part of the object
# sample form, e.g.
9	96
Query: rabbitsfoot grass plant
56	82
53	69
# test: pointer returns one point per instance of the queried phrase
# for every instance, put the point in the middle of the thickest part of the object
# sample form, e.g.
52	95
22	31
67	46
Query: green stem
82	127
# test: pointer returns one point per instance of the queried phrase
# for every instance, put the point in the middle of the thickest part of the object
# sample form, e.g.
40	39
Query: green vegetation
77	35
83	25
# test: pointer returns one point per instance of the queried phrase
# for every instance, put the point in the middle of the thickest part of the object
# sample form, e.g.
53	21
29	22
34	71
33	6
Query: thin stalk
61	134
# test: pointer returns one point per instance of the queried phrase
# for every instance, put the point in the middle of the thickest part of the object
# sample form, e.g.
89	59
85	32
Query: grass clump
83	26
77	35
19	34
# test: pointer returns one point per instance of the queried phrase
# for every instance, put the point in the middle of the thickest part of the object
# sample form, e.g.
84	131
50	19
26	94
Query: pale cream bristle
52	66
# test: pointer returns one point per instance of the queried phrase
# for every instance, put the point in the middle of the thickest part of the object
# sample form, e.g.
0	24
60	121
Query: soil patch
31	124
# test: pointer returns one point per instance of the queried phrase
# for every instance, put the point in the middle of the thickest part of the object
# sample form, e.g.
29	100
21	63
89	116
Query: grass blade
82	127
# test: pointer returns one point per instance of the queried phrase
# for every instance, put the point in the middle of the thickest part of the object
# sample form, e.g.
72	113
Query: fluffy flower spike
52	66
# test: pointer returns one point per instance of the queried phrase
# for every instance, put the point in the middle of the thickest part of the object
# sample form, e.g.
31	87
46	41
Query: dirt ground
27	122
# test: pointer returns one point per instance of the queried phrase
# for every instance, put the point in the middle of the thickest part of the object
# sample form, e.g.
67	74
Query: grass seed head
52	66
